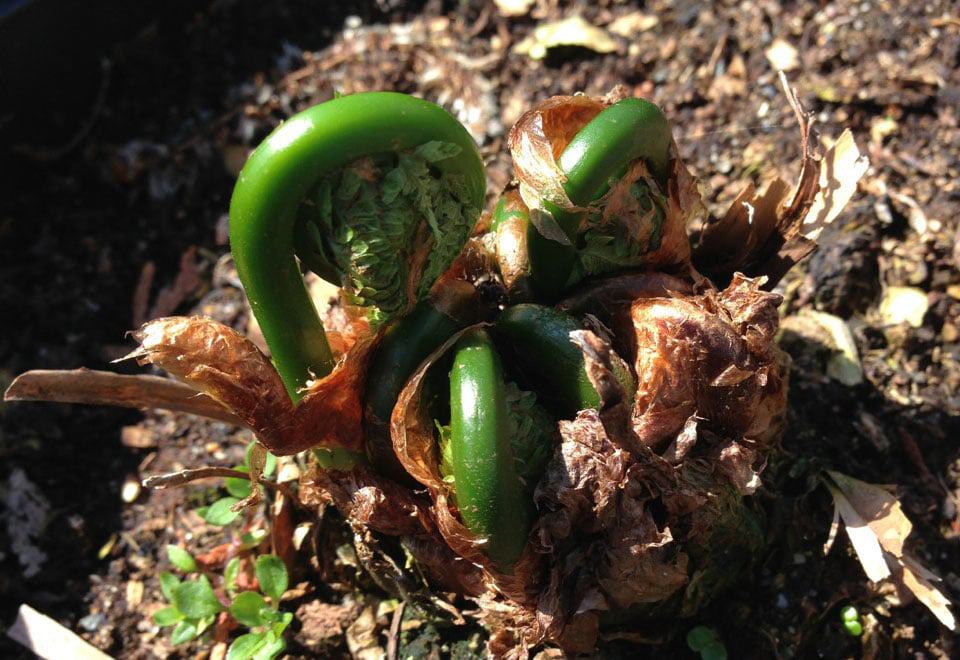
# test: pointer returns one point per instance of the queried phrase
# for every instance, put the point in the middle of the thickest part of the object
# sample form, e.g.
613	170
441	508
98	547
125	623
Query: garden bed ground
91	235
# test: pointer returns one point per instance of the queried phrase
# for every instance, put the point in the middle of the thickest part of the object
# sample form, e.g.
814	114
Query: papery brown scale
364	498
537	140
443	566
225	365
711	356
642	564
610	300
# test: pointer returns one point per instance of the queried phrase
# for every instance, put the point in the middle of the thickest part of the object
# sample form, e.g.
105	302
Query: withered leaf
711	356
105	388
767	233
878	530
228	368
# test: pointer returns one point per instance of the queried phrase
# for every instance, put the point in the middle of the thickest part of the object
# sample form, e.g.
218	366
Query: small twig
393	643
183	477
105	388
50	154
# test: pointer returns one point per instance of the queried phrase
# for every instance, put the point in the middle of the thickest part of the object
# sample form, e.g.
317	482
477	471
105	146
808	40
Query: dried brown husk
610	558
370	501
609	301
711	356
537	140
231	370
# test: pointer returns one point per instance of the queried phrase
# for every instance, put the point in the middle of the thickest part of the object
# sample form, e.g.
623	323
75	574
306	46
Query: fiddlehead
427	180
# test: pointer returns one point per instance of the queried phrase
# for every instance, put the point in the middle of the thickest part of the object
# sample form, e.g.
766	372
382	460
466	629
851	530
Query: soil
133	199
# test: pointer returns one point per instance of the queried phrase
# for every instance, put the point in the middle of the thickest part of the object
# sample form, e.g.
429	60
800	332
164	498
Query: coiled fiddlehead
351	159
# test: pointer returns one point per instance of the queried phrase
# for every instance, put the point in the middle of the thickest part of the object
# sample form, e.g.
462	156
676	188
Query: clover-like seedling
265	621
851	621
707	643
193	604
221	512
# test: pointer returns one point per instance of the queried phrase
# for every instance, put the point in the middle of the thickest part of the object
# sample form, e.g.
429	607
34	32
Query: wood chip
138	437
48	639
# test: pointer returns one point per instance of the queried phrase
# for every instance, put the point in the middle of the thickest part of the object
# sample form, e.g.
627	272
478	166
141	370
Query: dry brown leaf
864	541
572	31
231	370
918	580
104	388
880	509
841	168
878	529
49	639
766	234
363	639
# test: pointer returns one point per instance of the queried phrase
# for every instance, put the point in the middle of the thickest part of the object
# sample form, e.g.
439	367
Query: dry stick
393	643
110	389
183	477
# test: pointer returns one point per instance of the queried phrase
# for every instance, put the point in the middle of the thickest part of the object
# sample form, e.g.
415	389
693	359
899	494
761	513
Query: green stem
406	344
539	340
283	170
622	133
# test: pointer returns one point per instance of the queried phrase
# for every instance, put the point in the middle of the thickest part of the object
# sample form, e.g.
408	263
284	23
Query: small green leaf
168	581
849	613
715	650
220	513
272	647
230	574
236	486
196	599
246	608
167	616
853	628
184	632
272	575
245	646
252	539
700	637
181	558
281	625
205	622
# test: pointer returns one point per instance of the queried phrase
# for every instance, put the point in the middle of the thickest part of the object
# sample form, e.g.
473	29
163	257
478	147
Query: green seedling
851	621
194	605
707	643
221	512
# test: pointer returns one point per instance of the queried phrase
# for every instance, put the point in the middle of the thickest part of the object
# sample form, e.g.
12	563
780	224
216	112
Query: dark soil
141	171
